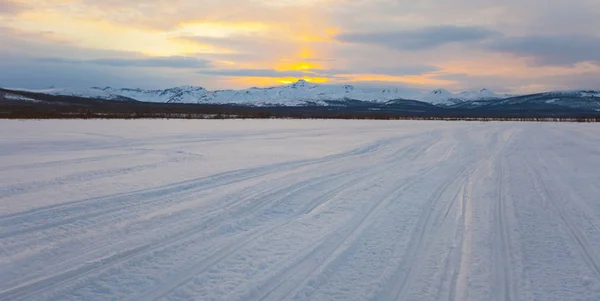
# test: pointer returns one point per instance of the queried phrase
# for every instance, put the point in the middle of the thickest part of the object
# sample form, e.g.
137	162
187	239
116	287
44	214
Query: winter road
299	210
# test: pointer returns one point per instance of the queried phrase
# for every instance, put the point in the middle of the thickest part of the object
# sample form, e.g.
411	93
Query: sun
291	80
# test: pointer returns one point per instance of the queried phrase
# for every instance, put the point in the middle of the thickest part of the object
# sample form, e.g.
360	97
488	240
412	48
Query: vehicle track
52	282
587	252
285	285
504	279
448	212
328	247
49	283
397	286
213	181
146	199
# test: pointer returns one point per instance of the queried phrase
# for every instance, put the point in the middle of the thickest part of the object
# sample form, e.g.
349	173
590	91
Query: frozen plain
299	210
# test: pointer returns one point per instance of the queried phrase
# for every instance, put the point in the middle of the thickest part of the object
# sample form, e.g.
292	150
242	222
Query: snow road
299	210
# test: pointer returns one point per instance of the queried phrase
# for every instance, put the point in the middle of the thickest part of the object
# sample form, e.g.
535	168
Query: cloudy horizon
506	46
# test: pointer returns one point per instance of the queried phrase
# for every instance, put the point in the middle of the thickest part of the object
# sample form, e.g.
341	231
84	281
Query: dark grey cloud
29	59
175	62
10	7
33	74
550	50
422	38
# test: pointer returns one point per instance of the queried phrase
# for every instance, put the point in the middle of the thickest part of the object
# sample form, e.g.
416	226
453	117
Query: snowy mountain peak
440	97
348	88
481	94
298	93
301	84
440	92
187	88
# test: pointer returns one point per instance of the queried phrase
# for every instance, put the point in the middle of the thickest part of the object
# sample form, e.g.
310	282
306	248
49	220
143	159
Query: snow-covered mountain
483	94
88	93
298	93
574	99
183	94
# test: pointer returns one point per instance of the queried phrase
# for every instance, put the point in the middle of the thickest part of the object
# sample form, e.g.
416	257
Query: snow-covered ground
299	210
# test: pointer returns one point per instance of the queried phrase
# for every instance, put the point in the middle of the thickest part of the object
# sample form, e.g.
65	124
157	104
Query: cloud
255	73
10	7
38	75
175	62
526	83
550	50
173	13
344	40
422	38
257	46
398	71
328	73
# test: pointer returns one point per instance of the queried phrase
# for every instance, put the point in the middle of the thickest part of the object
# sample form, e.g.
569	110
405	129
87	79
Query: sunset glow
259	43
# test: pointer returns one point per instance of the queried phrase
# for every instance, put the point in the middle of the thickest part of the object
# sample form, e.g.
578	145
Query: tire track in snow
54	281
151	196
60	279
212	181
165	195
331	268
288	281
452	281
73	275
396	287
62	163
503	277
331	244
450	284
170	197
303	270
73	179
542	232
586	251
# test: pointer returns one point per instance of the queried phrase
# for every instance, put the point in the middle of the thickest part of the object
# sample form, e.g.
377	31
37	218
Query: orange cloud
271	81
298	66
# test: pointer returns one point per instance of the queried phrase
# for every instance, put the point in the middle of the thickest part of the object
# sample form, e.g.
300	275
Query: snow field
299	210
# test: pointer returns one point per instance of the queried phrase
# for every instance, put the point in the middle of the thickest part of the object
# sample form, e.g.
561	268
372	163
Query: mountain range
303	96
295	94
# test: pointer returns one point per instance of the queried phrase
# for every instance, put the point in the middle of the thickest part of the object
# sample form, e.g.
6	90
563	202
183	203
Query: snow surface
576	93
11	96
88	93
295	94
299	210
483	94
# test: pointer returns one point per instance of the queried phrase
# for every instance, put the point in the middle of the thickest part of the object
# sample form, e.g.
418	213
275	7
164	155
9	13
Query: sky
509	46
